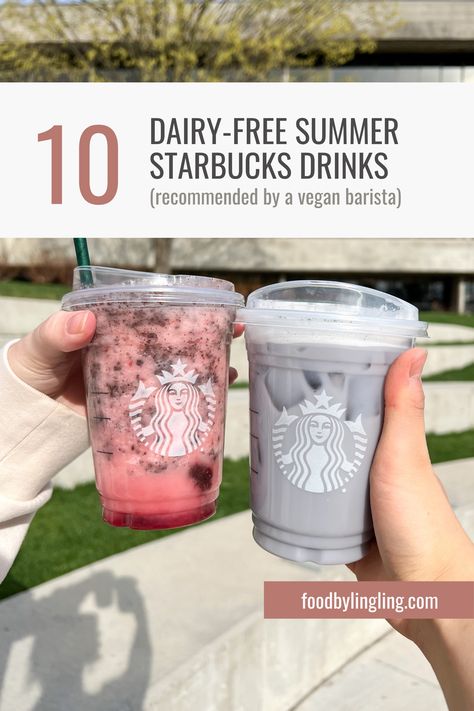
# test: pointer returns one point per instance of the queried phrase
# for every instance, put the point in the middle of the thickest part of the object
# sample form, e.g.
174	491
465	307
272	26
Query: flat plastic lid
92	285
331	304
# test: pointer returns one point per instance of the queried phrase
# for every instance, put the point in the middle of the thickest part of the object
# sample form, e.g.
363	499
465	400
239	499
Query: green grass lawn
448	317
447	447
68	532
436	344
33	291
466	373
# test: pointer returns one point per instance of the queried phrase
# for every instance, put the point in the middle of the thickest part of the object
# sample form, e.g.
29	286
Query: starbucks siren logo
318	450
183	412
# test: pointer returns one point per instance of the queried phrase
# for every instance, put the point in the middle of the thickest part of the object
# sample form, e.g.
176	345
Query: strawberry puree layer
156	380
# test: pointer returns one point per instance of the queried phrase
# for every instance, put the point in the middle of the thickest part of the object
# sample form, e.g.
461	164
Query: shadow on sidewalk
82	648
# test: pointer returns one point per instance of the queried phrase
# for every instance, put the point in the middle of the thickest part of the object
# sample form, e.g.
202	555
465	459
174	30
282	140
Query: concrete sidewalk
391	675
177	625
173	625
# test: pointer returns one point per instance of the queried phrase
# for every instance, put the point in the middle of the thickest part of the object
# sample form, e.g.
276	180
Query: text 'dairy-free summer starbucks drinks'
156	377
318	355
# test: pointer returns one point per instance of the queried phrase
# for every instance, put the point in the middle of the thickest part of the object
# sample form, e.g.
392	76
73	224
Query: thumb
409	506
61	333
44	353
404	424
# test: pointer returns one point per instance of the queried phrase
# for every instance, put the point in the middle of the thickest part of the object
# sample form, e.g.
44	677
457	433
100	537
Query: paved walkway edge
266	665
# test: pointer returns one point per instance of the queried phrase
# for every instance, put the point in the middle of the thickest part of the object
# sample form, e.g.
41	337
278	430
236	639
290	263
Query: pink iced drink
156	379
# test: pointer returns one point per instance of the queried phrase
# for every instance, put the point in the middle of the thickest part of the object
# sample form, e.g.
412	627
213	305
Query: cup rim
149	288
262	317
394	316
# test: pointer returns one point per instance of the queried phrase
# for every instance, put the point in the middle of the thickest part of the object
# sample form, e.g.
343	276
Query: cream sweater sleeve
38	437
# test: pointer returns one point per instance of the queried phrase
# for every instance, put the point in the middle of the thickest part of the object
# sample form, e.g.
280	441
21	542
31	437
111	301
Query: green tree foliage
182	40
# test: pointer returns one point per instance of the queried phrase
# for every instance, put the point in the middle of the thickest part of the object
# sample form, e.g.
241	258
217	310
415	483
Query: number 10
55	135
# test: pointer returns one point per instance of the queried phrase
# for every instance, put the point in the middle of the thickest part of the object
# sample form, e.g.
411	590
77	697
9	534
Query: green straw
83	260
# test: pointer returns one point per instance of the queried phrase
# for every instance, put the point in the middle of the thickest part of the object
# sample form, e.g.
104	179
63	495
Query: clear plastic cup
318	354
156	378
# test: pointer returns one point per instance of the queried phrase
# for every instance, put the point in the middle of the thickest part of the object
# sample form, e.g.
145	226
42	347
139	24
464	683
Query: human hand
418	536
48	359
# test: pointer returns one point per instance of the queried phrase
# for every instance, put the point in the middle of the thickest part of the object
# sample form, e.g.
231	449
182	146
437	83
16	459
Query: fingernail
76	323
416	367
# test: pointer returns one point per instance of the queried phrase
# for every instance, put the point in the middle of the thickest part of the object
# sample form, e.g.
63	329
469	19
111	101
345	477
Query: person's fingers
403	435
409	505
44	349
62	333
238	329
233	375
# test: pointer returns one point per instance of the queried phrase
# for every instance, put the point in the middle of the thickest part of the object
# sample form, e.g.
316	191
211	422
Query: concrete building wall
433	20
381	256
138	253
405	256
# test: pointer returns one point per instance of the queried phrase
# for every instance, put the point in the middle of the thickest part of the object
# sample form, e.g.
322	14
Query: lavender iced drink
318	355
156	376
316	415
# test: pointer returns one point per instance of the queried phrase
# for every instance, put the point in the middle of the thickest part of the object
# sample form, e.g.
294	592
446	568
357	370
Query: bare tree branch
182	40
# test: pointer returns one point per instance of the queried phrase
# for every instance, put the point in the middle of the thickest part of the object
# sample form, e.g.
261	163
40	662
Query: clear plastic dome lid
334	304
93	285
